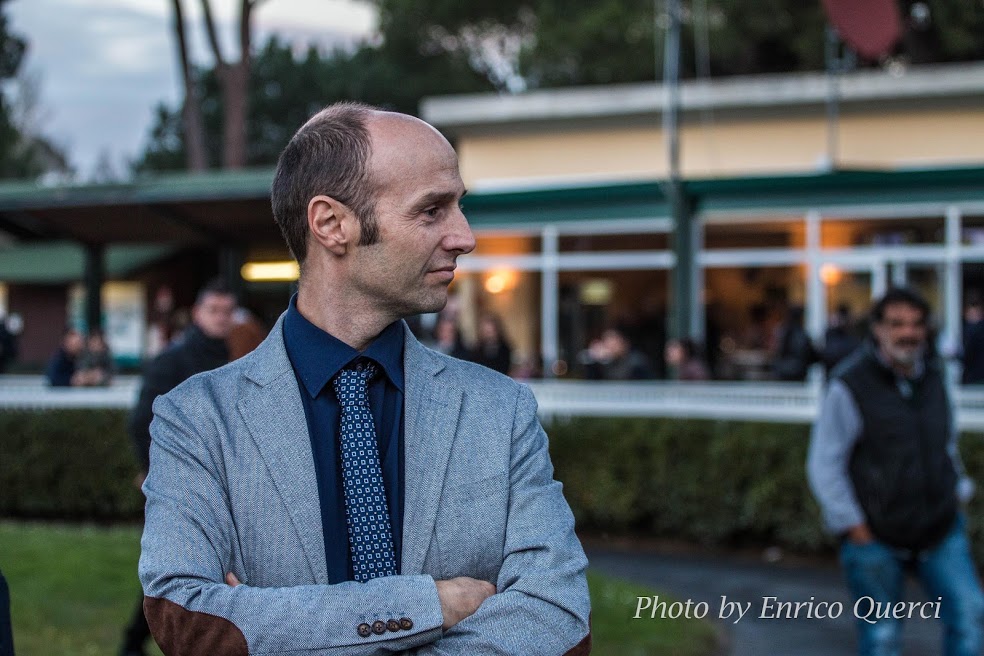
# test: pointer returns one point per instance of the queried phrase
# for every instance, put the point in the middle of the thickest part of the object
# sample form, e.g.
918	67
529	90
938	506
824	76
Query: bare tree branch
245	31
192	123
234	85
234	82
213	37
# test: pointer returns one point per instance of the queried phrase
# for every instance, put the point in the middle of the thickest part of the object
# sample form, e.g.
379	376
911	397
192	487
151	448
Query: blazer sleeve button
378	627
393	625
406	624
364	630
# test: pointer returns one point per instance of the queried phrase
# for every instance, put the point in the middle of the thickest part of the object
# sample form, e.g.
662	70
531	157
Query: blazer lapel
274	413
431	410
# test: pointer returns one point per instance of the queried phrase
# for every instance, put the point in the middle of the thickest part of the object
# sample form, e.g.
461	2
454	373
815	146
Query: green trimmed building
573	227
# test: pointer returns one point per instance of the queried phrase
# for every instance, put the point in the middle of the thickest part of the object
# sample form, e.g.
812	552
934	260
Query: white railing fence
751	401
32	393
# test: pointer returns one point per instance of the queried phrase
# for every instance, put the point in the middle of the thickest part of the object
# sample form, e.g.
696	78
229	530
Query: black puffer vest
903	476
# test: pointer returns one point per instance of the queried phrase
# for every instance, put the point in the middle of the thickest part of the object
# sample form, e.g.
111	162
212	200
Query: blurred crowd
773	344
81	361
490	348
85	359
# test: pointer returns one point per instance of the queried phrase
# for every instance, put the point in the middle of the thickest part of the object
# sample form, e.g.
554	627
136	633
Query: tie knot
352	382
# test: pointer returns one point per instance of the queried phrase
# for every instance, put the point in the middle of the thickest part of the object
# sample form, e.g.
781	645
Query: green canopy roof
62	262
234	207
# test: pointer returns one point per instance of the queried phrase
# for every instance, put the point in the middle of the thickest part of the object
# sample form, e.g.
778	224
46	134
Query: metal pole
231	260
681	276
834	66
671	82
95	275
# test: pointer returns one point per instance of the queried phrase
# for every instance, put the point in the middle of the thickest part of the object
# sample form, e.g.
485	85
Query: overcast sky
103	65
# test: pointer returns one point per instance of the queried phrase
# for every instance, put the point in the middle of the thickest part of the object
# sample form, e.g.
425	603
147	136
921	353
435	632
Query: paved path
705	578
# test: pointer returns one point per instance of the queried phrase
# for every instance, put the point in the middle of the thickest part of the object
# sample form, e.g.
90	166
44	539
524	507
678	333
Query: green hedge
703	481
67	464
723	483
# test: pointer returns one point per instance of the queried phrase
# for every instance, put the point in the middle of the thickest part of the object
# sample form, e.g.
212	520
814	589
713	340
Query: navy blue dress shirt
316	357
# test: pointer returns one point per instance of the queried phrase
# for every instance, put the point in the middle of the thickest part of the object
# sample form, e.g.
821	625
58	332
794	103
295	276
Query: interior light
597	291
501	281
270	271
495	284
830	275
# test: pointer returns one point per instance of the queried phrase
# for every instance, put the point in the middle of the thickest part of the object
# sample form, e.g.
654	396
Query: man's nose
460	238
912	332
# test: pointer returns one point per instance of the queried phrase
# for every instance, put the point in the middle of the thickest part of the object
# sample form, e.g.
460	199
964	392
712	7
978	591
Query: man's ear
332	224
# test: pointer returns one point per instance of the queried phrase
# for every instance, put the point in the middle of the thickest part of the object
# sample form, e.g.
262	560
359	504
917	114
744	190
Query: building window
511	295
506	244
853	233
633	301
780	233
744	307
972	234
645	241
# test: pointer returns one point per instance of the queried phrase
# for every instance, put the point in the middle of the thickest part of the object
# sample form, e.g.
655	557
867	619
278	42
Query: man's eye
432	211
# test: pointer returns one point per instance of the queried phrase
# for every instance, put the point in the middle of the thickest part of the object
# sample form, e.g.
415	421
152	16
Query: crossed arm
190	541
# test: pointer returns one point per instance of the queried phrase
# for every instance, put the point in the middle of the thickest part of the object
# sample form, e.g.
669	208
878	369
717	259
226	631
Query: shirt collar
317	355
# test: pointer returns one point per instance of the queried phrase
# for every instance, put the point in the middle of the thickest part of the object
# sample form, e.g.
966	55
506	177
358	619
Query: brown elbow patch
181	632
582	648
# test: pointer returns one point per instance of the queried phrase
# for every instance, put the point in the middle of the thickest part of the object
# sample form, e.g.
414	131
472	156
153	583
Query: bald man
343	489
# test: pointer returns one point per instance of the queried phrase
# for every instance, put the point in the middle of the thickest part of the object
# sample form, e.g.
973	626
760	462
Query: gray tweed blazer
232	488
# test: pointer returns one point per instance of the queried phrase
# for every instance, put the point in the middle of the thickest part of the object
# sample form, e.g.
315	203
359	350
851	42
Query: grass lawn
615	633
73	589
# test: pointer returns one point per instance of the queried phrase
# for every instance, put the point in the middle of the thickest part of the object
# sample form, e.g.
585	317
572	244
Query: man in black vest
883	465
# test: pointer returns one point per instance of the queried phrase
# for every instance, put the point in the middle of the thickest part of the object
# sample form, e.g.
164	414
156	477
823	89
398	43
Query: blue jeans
947	571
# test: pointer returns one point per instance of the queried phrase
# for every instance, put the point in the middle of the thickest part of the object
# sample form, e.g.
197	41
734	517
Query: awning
190	209
64	262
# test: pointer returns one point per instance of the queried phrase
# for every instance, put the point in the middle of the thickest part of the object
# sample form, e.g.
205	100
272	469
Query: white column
816	292
899	274
879	282
549	300
950	331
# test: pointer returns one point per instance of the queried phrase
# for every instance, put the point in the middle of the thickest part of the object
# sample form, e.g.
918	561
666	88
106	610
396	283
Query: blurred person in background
95	366
756	335
884	467
684	359
592	360
62	365
202	347
8	345
972	350
159	323
839	340
492	349
794	348
246	334
622	361
181	319
447	338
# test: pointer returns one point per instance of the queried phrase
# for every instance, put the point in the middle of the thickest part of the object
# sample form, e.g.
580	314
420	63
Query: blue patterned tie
366	510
